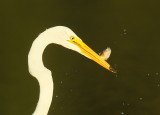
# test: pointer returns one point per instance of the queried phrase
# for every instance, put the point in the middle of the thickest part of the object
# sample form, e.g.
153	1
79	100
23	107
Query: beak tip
112	69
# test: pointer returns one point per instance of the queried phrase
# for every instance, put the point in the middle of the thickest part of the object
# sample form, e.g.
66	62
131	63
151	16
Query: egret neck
42	74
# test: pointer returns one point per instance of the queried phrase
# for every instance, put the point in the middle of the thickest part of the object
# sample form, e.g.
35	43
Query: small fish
105	54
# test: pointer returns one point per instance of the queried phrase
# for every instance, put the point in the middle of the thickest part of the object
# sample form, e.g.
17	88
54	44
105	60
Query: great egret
63	36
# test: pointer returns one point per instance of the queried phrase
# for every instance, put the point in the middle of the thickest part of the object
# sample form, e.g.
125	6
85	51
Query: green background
130	27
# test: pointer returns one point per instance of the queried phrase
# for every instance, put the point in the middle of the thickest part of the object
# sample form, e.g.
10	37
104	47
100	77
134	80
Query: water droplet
124	30
140	98
158	85
157	73
128	104
56	96
147	74
122	113
61	82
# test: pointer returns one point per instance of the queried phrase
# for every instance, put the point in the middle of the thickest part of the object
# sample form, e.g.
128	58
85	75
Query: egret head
67	38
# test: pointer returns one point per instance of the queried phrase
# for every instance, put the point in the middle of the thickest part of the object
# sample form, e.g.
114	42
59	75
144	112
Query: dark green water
130	27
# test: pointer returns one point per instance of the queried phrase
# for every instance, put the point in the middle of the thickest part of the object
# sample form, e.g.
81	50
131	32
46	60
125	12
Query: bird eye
72	37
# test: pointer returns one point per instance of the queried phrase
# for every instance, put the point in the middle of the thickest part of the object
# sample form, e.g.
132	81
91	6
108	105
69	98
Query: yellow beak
87	51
